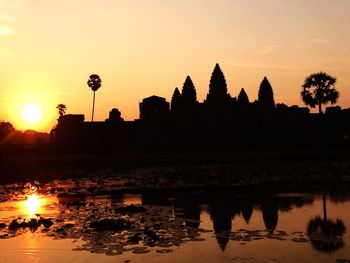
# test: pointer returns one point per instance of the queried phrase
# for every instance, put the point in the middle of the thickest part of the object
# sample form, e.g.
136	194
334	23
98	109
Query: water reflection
28	206
221	213
270	212
132	199
246	208
325	234
164	219
36	204
223	208
33	203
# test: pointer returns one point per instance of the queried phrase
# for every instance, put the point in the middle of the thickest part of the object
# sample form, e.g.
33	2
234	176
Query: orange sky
146	47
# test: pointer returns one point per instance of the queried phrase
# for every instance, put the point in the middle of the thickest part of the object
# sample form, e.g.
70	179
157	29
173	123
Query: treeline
12	139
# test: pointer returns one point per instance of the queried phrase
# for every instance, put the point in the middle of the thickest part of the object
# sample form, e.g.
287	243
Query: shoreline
269	170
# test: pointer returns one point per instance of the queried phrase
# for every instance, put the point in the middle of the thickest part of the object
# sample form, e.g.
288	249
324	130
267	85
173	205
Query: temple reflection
270	212
246	205
221	213
222	209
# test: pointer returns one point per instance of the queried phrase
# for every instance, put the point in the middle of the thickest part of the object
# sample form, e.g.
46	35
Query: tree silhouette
94	82
189	95
265	96
281	107
5	129
243	98
176	100
61	109
217	88
319	89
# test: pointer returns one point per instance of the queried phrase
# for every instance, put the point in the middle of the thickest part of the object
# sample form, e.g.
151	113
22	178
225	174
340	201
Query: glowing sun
31	113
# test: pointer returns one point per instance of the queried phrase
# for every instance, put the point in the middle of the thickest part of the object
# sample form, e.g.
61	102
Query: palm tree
319	89
61	109
94	82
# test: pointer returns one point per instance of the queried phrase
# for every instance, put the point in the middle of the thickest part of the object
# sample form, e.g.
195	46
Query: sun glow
32	204
35	205
31	113
33	109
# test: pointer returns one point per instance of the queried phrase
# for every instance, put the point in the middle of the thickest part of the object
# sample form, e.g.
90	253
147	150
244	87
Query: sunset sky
147	47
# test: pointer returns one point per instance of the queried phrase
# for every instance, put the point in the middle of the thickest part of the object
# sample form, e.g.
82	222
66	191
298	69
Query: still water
191	226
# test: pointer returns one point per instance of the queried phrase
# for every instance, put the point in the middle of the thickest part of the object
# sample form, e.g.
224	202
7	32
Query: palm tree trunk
93	107
324	207
321	126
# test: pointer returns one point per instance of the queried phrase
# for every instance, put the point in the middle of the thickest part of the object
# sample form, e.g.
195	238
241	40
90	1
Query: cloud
321	40
306	41
259	67
5	30
267	50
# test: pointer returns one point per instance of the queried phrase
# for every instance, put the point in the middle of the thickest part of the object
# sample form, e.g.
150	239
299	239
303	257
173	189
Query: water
173	226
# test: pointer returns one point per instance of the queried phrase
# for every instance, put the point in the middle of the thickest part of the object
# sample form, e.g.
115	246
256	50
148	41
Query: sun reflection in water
33	204
132	199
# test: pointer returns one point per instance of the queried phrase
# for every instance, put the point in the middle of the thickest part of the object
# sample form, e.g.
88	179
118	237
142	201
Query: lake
79	221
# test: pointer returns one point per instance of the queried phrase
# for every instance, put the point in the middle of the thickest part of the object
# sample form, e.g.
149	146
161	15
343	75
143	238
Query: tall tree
318	89
189	95
176	100
61	109
94	82
265	96
217	88
243	98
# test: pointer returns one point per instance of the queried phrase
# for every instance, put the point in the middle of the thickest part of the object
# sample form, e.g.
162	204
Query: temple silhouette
220	122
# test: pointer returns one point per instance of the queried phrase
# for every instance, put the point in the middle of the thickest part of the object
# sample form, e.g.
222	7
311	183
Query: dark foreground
175	207
275	170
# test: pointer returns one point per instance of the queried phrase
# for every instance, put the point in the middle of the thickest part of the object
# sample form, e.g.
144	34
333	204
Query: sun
31	113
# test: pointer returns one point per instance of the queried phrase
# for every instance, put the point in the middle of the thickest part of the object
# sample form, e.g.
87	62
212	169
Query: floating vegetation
33	224
93	213
243	235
